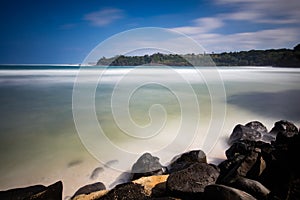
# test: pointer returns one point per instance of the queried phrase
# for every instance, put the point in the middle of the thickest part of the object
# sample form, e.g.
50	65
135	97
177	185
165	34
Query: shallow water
161	110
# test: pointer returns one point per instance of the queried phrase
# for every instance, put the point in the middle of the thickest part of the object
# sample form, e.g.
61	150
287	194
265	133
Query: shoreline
252	133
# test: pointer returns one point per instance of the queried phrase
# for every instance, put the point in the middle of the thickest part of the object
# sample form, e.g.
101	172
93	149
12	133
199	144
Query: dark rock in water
241	132
74	163
250	165
255	188
245	147
21	193
288	129
190	182
52	192
258	126
147	165
87	189
110	163
126	191
186	159
96	173
222	192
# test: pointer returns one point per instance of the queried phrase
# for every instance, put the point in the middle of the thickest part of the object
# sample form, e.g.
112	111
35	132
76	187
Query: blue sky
35	31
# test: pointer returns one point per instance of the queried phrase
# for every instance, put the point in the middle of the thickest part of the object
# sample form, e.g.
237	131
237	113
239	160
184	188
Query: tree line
271	57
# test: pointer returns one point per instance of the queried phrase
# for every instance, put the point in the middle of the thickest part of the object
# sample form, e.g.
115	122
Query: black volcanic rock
186	159
258	126
21	193
222	192
282	175
286	128
52	192
250	165
87	189
250	186
147	165
241	132
190	182
36	192
126	191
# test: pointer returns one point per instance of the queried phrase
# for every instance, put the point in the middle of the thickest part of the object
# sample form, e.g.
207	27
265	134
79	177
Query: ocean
89	124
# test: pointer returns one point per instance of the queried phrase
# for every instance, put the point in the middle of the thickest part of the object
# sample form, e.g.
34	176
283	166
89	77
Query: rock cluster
260	164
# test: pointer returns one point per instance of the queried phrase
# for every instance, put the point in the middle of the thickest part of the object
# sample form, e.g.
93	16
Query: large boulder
126	191
36	192
282	175
87	189
250	165
185	160
147	165
258	126
253	187
190	182
286	128
241	132
21	193
52	192
222	192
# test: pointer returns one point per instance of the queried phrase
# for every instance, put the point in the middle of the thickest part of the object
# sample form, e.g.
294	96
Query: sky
61	31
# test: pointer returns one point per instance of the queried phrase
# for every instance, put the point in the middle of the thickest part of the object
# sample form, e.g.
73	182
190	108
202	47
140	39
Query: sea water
138	109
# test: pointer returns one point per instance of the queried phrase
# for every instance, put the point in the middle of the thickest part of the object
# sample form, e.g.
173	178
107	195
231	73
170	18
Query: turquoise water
40	144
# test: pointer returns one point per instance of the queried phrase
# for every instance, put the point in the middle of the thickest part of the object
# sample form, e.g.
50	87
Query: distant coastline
270	57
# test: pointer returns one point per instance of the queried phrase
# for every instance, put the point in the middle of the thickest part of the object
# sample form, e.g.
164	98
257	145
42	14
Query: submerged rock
96	173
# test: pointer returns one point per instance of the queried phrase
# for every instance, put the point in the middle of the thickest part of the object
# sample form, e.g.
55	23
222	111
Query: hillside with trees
270	57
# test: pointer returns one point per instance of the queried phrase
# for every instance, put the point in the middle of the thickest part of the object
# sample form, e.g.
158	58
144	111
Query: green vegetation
270	57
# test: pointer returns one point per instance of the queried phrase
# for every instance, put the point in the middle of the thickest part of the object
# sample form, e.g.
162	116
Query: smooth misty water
40	144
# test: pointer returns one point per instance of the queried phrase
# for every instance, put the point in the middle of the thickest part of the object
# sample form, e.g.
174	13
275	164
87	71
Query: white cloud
201	25
270	38
280	17
104	17
264	11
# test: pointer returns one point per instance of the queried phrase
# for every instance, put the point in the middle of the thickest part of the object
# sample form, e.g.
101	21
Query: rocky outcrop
259	165
37	192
